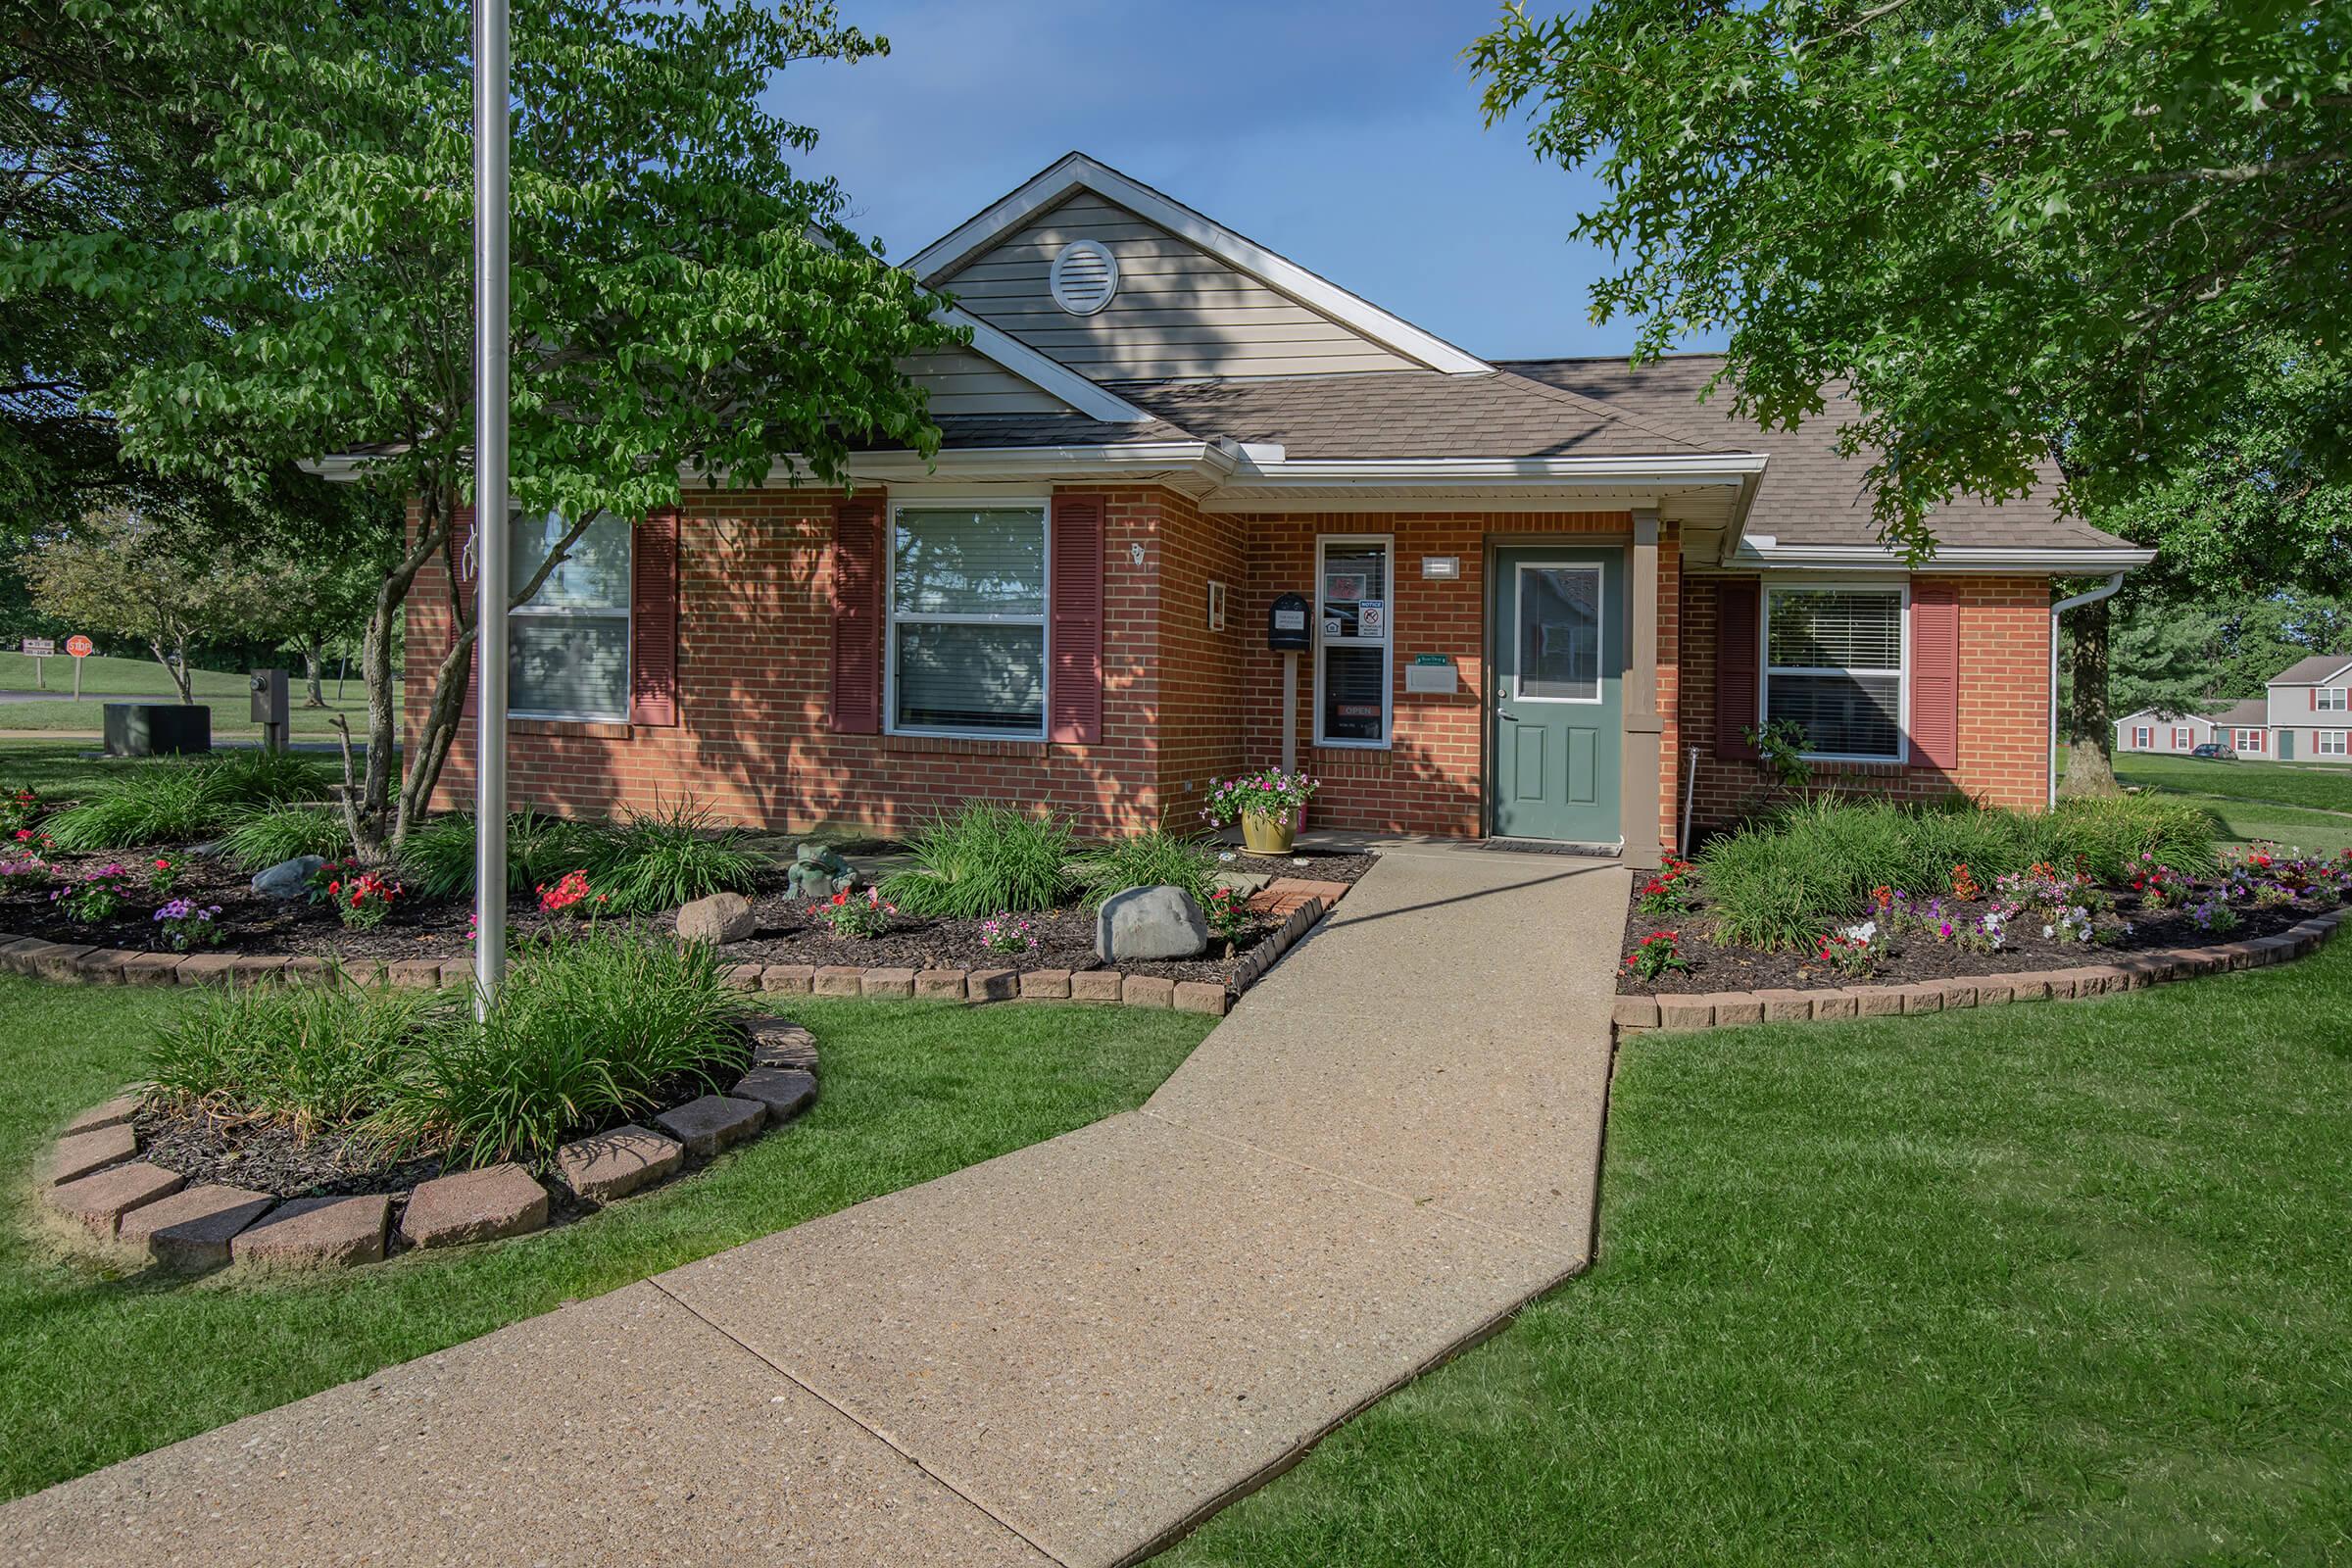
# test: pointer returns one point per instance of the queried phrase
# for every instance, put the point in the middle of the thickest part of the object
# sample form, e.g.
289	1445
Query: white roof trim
1078	171
1045	372
2329	680
1757	553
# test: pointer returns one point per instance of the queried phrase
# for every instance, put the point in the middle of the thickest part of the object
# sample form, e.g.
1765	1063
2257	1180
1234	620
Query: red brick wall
755	643
2004	709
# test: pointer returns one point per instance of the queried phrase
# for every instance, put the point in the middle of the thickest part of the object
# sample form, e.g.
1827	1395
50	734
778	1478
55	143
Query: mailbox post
1287	634
269	708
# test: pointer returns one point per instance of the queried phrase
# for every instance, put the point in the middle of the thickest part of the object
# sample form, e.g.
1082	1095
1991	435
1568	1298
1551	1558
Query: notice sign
1372	618
40	648
1290	620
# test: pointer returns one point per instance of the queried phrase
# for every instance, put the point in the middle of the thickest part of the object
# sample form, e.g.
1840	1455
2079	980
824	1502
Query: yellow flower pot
1268	835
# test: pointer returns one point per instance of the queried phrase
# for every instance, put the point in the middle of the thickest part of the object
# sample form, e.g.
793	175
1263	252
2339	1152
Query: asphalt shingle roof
2311	671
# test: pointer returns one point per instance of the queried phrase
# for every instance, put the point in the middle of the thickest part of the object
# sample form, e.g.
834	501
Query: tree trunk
177	670
2087	726
314	672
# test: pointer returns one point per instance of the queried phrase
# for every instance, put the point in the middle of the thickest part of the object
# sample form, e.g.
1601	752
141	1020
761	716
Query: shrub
1777	881
662	858
171	802
1154	859
305	1056
437	857
984	859
591	1028
261	836
1656	954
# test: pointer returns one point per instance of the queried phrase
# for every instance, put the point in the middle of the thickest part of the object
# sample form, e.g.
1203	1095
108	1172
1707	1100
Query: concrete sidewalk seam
852	1416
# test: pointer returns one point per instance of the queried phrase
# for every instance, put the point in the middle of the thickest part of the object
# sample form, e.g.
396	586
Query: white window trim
1601	629
2320	739
2247	740
2341	694
1766	668
2143	737
627	615
2183	738
1386	642
1044	621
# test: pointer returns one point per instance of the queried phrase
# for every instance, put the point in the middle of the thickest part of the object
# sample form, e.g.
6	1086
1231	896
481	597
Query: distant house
2306	715
2309	709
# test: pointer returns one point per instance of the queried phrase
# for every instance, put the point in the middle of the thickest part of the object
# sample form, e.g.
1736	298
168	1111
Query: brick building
1542	599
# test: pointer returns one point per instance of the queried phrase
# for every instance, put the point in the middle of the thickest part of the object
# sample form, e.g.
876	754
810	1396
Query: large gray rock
1161	922
721	918
288	880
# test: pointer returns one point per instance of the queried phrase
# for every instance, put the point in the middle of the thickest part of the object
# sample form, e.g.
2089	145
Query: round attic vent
1085	276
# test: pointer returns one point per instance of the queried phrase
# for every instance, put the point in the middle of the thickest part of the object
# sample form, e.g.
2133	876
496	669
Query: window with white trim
2249	740
2181	739
1354	631
2328	742
567	647
1835	664
968	622
2143	737
2333	699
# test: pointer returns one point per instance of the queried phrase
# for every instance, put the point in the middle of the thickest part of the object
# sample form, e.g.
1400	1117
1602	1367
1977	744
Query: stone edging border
2129	971
96	1181
54	961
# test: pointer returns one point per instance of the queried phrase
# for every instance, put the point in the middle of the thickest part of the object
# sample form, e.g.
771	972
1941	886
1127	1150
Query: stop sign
80	647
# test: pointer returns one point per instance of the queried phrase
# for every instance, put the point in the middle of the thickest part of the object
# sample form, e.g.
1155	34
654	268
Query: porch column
1637	787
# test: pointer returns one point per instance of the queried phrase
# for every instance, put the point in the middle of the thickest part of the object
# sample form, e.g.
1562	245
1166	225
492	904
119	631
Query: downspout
2059	608
1682	845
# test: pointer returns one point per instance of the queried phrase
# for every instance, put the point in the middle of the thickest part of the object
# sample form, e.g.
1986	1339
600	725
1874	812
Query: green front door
1558	618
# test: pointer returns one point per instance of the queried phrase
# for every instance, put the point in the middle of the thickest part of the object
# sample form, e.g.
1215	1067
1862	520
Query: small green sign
1432	658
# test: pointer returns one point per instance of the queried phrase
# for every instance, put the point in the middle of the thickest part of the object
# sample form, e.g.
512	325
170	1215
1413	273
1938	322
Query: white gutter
2059	608
1764	554
1712	469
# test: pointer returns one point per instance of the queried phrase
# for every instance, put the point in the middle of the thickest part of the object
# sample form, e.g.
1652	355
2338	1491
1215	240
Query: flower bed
2032	921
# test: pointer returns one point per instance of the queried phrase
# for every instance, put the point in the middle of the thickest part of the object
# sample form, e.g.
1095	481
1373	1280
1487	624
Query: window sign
1371	618
1353	675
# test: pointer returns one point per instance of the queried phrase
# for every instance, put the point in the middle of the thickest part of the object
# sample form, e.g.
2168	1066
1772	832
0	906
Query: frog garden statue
818	872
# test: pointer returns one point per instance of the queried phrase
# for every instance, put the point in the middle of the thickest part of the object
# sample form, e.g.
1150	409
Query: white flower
1861	933
2048	931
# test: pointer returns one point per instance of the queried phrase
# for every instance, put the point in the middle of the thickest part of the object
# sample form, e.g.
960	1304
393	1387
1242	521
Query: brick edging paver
52	961
2124	972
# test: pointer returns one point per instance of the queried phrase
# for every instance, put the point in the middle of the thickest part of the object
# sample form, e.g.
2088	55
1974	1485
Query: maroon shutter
654	620
857	616
461	532
1736	668
2313	694
1935	676
1074	691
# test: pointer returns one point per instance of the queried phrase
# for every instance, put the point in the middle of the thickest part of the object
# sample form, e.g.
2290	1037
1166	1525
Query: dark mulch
436	928
1718	967
273	1158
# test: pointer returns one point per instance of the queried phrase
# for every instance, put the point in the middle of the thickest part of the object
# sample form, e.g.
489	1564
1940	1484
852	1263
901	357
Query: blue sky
1345	136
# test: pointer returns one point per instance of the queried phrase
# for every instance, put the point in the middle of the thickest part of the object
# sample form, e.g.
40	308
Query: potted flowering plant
1268	804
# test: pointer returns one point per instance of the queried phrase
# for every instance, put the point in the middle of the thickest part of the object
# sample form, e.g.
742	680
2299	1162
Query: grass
262	836
1152	858
1780	880
2318	786
2061	1283
170	800
105	677
983	859
96	1367
438	860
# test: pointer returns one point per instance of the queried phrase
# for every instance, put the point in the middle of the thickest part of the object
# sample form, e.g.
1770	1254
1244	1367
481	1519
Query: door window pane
1559	633
1354	690
969	676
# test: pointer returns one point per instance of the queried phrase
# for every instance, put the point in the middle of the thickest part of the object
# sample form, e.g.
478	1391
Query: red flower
840	899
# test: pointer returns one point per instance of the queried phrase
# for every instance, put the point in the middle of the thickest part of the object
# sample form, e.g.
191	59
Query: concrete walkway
1067	1356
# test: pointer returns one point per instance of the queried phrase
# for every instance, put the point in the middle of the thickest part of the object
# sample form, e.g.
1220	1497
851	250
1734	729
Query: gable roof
2316	670
1810	495
2252	713
1075	171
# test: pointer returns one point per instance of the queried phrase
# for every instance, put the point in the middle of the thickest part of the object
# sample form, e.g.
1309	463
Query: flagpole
490	497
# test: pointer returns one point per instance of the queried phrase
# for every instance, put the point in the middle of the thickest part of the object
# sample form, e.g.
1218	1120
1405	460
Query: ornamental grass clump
436	860
173	802
309	1058
659	859
982	858
592	1028
261	836
1155	858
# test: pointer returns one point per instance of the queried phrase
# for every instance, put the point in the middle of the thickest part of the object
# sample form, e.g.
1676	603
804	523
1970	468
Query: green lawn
95	1367
223	691
2063	1283
2319	786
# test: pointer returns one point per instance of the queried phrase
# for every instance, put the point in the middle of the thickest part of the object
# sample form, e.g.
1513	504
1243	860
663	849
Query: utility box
158	729
270	709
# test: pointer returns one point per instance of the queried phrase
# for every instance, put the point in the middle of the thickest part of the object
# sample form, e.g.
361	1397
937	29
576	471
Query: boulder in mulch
1146	923
718	919
287	880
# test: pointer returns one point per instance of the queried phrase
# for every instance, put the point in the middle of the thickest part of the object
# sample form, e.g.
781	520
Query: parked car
2216	750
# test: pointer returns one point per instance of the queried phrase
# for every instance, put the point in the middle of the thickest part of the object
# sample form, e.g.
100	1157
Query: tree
121	574
682	299
2095	230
